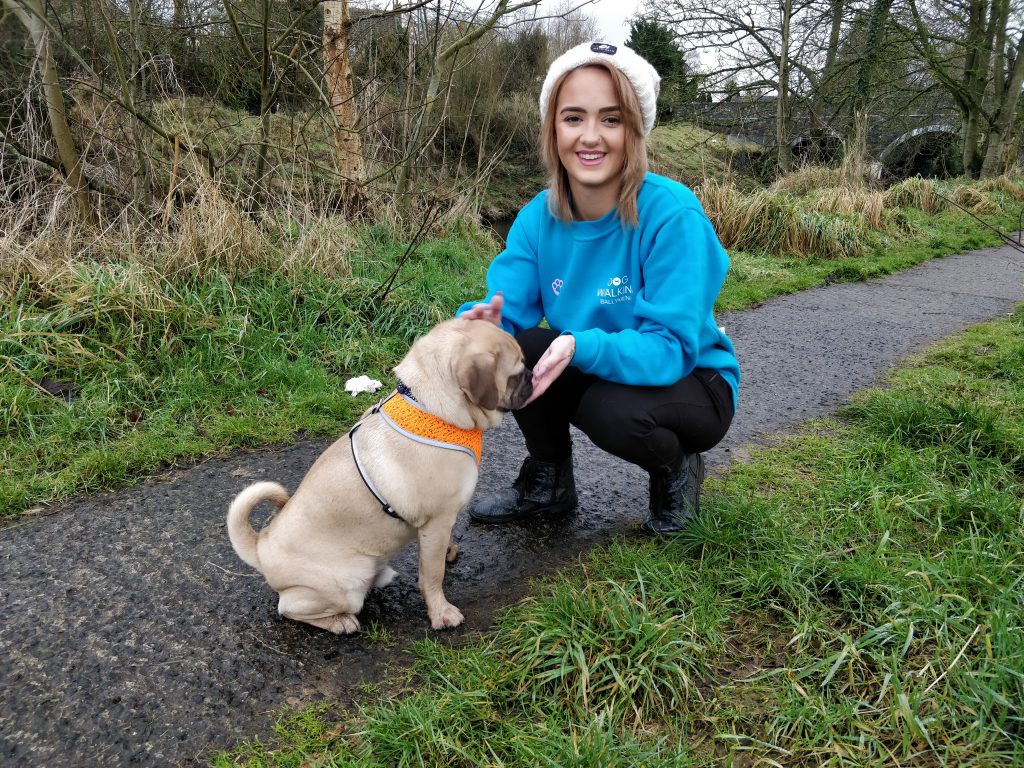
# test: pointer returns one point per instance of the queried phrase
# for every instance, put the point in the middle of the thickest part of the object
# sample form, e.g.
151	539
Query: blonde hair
634	164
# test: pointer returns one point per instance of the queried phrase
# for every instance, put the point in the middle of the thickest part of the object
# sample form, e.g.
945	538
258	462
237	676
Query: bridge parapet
753	120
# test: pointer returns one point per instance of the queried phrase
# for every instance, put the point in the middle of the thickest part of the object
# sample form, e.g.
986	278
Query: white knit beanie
638	71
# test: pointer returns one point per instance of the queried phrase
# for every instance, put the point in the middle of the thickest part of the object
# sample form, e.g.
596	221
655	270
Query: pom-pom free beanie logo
606	48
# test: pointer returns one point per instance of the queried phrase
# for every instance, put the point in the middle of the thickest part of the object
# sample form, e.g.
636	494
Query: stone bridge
899	145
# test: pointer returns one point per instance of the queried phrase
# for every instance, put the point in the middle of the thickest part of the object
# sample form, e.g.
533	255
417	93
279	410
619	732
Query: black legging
652	427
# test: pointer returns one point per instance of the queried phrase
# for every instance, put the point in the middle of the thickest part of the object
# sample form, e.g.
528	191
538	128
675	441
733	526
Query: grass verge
851	596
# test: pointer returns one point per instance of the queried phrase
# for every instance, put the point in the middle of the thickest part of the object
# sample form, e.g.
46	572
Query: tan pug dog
331	541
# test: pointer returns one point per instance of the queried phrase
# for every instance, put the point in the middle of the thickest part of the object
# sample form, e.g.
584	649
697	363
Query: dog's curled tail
243	537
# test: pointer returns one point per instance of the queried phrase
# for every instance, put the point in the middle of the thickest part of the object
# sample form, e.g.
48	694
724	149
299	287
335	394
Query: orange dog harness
406	417
401	413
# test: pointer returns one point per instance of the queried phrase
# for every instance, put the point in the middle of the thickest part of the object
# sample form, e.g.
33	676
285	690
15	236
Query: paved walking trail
130	633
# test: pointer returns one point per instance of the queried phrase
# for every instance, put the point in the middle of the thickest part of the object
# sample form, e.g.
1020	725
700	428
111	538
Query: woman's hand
556	358
489	311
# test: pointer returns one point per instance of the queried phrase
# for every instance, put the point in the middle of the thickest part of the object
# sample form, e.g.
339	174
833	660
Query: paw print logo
556	285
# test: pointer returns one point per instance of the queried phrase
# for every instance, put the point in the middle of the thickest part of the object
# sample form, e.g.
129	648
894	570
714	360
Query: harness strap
388	509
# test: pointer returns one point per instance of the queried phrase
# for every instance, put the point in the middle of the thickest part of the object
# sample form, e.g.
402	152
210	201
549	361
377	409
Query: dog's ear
476	377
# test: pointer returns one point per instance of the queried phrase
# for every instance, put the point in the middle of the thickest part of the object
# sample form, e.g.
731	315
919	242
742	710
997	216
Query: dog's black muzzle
520	388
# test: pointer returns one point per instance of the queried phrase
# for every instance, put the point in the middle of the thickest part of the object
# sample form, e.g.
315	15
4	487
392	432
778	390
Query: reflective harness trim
401	412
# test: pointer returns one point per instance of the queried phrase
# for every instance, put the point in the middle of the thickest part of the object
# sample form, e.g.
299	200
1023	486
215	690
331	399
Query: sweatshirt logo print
616	291
556	285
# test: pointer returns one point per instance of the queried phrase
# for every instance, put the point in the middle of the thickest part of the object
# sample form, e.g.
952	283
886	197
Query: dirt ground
131	634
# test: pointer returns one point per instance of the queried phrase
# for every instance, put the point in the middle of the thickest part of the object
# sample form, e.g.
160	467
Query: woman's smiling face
591	139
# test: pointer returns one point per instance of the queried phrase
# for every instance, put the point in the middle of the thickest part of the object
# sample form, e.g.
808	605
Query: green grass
852	596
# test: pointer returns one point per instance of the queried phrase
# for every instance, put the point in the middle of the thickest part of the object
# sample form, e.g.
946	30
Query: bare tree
130	82
341	96
569	26
783	115
266	42
758	47
974	49
32	17
472	30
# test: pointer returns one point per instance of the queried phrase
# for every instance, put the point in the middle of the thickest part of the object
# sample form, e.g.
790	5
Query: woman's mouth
590	158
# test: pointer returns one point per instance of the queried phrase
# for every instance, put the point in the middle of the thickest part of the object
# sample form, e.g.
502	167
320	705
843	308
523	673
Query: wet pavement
131	634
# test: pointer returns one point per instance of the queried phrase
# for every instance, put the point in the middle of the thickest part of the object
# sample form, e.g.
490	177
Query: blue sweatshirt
638	300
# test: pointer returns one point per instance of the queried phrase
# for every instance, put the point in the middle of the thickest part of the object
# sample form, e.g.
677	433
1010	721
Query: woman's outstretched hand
556	358
489	311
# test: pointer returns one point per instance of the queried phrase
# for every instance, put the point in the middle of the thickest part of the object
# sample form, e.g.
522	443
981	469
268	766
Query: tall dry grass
807	179
831	214
1012	187
915	193
207	228
778	222
211	233
203	210
974	200
847	202
979	198
208	234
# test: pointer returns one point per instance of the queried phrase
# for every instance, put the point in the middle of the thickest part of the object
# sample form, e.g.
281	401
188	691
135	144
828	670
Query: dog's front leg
434	538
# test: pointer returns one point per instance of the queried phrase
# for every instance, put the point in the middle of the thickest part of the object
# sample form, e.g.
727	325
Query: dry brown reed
777	222
844	201
42	236
806	180
974	200
1014	189
42	243
914	193
69	296
736	217
213	233
809	234
324	245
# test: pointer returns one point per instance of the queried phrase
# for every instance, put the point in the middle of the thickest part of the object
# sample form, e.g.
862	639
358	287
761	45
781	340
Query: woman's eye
613	120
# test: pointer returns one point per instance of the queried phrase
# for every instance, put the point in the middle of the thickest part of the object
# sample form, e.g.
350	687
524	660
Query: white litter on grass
361	384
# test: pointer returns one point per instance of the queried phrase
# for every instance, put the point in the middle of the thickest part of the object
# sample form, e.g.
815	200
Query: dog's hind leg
339	624
384	576
308	605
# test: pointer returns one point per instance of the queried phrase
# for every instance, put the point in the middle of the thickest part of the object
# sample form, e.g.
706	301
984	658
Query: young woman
625	268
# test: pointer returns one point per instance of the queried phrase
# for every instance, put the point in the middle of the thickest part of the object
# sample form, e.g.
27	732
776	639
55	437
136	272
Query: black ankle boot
675	496
541	488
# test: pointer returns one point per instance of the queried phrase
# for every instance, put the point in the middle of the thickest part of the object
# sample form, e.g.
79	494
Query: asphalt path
131	634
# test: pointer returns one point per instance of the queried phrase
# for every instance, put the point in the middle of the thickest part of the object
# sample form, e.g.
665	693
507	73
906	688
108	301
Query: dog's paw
446	616
344	624
452	553
384	576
